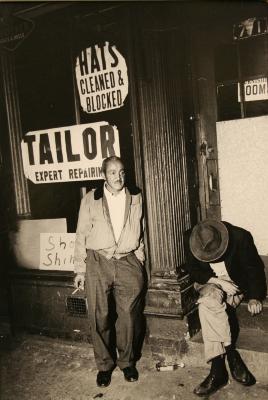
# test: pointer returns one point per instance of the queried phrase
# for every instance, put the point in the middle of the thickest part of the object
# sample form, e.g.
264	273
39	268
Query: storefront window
242	67
49	99
45	89
107	85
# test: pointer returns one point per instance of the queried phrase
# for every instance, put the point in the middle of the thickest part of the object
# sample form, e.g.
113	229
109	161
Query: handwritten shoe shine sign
57	251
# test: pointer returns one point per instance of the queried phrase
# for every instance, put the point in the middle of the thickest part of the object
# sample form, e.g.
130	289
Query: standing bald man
109	258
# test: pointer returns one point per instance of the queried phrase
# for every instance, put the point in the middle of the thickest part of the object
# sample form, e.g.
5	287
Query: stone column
162	140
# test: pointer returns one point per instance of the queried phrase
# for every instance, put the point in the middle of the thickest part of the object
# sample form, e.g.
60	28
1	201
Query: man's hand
79	281
254	307
229	287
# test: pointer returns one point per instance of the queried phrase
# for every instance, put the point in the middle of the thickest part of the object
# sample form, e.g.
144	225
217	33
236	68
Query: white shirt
117	205
219	269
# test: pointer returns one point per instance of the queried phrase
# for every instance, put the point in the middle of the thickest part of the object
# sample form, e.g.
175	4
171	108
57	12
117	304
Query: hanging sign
71	153
13	31
102	80
256	89
250	27
57	251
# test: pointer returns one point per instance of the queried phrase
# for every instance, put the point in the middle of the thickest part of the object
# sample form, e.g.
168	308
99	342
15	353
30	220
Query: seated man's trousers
214	319
118	282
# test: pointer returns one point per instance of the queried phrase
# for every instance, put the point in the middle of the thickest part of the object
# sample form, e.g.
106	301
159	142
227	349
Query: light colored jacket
95	231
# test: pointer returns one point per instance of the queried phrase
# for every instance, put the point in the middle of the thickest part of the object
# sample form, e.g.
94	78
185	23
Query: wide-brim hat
209	240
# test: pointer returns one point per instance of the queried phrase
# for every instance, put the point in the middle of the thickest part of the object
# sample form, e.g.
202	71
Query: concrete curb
256	361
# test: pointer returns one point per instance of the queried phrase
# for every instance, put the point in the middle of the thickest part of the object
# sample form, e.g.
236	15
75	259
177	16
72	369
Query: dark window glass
226	63
228	105
87	35
256	108
253	57
252	53
44	76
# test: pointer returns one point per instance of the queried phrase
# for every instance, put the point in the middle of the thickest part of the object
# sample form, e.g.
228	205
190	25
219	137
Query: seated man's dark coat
242	261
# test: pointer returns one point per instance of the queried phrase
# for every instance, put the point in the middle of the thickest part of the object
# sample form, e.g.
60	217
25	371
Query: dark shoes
211	384
104	378
218	376
239	370
131	374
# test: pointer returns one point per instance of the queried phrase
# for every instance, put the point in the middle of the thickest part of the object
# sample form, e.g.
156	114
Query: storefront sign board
256	89
67	154
13	31
254	26
102	79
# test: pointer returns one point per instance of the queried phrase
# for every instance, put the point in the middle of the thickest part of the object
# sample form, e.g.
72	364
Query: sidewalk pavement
41	368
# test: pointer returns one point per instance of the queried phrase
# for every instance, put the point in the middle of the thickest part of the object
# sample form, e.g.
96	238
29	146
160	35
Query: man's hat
209	240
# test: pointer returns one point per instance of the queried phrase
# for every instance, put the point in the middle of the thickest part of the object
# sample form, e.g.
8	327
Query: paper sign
102	80
243	173
71	153
26	241
254	90
57	251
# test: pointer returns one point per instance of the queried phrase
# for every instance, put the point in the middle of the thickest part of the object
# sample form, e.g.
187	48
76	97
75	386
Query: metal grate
76	306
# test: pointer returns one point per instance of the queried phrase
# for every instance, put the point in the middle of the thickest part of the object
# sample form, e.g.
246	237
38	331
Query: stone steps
173	345
259	322
252	342
252	345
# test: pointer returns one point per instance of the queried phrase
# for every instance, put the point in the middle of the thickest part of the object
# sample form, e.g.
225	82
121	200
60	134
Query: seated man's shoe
131	374
239	370
211	384
104	378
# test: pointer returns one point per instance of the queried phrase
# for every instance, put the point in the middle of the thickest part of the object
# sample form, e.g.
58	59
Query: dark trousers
114	292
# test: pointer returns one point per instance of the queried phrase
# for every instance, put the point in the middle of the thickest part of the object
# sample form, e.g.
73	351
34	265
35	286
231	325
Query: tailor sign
102	80
71	153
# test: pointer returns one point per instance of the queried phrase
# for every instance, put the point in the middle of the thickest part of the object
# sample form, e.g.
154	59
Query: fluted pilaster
15	134
163	144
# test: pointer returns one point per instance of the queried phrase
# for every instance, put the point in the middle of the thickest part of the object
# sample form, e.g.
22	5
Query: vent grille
76	306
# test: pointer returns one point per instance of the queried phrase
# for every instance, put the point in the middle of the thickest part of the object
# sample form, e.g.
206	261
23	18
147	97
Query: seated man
224	263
